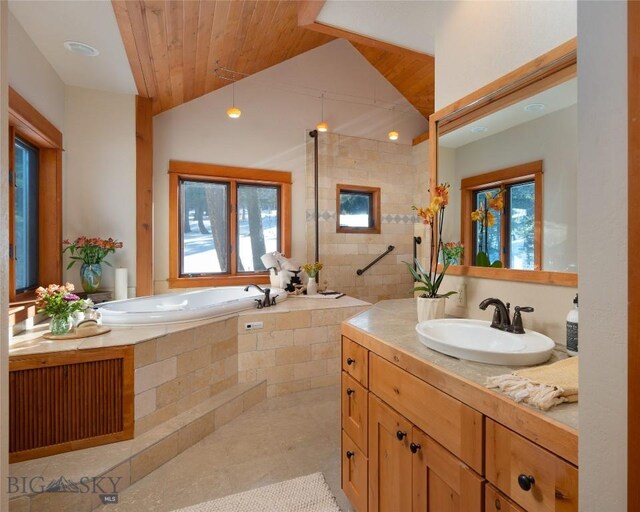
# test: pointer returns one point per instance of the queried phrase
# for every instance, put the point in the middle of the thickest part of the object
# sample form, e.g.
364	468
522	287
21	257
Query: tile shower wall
357	161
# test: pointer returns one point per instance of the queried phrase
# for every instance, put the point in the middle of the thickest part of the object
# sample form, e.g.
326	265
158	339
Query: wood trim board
144	196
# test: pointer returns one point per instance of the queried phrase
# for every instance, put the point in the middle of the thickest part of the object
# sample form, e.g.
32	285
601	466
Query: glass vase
90	276
60	324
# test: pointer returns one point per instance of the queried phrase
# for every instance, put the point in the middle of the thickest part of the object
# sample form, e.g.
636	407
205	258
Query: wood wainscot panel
64	401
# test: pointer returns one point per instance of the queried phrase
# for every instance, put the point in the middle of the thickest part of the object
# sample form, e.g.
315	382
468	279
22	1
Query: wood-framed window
357	209
515	235
222	220
35	204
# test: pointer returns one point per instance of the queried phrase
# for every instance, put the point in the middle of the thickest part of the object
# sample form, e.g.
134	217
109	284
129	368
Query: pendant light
234	112
393	135
322	126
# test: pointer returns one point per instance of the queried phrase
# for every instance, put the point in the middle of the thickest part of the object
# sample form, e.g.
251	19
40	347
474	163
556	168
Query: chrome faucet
262	303
501	319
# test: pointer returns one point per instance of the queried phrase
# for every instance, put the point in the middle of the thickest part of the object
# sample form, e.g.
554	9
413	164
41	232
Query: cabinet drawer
495	501
354	474
355	361
534	478
355	410
454	425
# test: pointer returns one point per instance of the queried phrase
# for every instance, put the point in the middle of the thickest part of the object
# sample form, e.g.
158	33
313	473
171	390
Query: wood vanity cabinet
409	446
410	471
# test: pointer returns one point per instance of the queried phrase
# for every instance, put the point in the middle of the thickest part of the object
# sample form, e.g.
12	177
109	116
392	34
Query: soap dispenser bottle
572	329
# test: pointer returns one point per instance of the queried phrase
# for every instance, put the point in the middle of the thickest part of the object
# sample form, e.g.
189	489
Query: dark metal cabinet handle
350	454
414	447
350	391
401	435
526	482
350	361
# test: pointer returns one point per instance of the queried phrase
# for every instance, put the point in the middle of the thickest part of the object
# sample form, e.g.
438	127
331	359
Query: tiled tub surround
357	161
298	347
187	385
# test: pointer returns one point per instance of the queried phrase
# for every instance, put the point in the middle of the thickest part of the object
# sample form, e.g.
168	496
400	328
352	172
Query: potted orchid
91	252
431	303
491	205
60	303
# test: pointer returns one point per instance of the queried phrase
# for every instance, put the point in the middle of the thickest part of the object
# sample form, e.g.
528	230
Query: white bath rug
303	494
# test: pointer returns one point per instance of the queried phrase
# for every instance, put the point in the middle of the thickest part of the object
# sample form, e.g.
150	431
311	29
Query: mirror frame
550	69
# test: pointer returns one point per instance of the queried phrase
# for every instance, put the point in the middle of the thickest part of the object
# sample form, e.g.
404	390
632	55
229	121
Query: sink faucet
501	318
264	303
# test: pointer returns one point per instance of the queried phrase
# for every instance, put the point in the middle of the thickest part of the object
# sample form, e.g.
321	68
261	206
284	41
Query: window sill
200	282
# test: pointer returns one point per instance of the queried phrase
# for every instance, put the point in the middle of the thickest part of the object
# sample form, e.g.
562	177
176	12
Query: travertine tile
220	386
224	348
327	350
191	361
228	412
195	431
145	403
296	354
118	478
293	320
274	339
262	359
283	373
153	375
247	342
153	457
144	353
309	335
175	389
174	344
254	397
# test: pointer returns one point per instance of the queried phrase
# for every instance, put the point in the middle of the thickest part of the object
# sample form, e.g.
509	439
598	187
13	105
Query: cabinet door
355	411
441	483
354	474
389	459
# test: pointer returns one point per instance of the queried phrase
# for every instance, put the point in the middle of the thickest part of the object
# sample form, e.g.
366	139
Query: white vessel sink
475	340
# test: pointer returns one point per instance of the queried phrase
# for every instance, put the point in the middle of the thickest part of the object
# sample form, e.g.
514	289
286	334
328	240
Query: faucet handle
516	325
259	303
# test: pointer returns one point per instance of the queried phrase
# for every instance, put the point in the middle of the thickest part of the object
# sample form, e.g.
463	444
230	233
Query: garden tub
183	307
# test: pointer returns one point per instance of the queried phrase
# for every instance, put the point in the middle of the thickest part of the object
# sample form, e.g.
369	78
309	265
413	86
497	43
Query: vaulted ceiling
174	47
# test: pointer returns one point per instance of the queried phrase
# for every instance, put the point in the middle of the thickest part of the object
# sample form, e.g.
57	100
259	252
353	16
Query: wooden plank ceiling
174	46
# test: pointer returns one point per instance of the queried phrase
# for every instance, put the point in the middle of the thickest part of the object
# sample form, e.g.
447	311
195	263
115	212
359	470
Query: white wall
602	251
99	181
31	75
273	129
478	42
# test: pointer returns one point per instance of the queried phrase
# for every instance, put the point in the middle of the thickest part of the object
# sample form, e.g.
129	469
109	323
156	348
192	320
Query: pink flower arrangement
57	300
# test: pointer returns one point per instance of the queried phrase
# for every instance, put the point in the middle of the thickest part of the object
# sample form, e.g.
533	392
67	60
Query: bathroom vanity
420	432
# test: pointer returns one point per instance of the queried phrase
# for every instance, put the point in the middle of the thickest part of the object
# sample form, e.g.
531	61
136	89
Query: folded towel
541	386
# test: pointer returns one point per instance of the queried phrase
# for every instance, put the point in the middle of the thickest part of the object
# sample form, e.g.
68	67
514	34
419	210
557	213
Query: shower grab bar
416	241
361	271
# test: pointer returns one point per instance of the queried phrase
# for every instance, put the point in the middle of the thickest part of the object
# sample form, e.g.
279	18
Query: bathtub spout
266	302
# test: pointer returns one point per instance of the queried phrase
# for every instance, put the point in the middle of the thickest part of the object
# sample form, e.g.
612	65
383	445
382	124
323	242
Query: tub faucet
266	302
501	318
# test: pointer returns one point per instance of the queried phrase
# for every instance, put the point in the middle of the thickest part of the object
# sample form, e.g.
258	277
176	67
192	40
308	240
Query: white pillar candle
121	284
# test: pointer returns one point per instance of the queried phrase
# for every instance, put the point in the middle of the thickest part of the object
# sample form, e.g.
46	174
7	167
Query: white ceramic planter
430	308
312	286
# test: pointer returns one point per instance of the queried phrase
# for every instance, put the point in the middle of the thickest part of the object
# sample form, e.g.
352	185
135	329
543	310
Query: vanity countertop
392	324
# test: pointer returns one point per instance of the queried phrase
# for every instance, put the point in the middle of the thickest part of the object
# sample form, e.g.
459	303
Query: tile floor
281	438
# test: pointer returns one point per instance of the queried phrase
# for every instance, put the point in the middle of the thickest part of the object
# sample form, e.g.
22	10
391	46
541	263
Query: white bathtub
183	307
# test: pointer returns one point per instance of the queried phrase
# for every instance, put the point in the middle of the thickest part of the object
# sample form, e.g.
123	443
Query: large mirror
511	160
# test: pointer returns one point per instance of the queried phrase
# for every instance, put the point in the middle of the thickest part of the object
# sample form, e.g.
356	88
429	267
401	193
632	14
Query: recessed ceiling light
478	129
81	48
535	107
